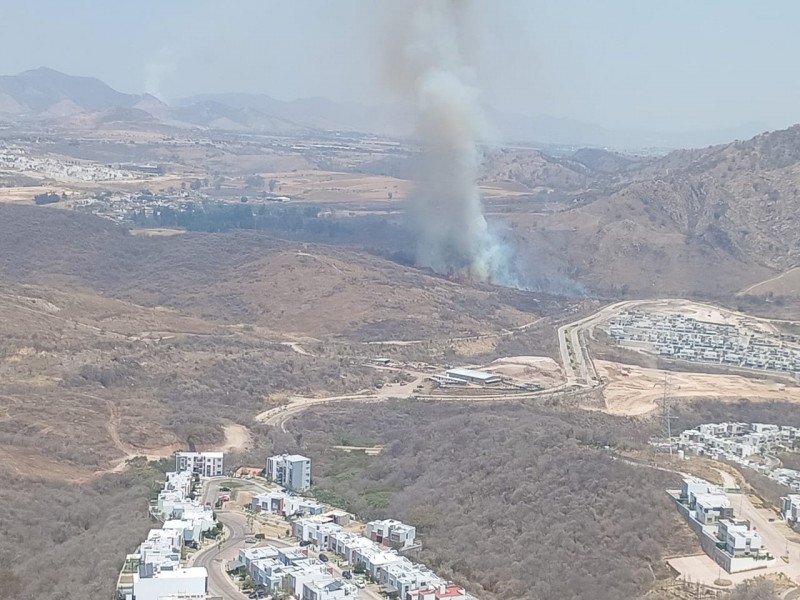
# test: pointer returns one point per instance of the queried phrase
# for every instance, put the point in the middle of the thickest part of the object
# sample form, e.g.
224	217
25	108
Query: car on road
224	489
360	584
304	543
250	540
347	574
322	557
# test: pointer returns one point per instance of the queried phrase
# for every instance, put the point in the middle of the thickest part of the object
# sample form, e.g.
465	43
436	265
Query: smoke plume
429	65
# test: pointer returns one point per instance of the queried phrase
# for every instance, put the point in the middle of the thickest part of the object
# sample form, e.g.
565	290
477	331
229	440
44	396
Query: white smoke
429	66
159	68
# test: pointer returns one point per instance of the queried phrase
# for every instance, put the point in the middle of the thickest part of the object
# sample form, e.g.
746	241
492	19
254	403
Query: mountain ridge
31	93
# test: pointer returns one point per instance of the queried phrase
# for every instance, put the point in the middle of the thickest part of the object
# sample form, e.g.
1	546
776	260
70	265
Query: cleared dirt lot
634	390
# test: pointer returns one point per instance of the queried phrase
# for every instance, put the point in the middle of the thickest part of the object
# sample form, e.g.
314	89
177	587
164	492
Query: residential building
316	529
206	464
334	589
739	539
790	508
711	507
290	470
405	576
287	505
442	592
154	585
392	533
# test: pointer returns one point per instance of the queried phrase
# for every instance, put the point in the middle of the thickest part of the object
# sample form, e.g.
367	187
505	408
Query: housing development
326	554
729	541
675	335
748	444
157	569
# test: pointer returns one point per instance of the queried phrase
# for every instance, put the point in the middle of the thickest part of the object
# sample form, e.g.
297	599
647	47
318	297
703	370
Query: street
214	558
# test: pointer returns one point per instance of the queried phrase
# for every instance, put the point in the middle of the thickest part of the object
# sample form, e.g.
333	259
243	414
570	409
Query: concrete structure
474	376
192	581
392	533
206	464
290	470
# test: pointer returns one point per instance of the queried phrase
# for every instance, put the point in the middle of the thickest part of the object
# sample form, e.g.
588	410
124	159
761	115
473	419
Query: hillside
245	277
707	222
531	491
40	90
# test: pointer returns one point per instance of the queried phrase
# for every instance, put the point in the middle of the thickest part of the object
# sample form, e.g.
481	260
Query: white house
405	576
290	470
739	539
148	585
392	533
316	529
286	505
328	589
207	464
710	508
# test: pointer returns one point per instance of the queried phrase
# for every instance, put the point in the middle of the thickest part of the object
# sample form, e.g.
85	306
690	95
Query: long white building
207	464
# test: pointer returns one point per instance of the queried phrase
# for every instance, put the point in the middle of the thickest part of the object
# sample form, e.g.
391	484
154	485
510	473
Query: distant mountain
48	94
37	91
314	113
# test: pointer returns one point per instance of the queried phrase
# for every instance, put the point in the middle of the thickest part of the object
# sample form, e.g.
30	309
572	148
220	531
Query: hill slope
709	221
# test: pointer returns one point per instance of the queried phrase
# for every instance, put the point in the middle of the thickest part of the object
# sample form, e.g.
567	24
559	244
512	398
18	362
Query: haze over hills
48	94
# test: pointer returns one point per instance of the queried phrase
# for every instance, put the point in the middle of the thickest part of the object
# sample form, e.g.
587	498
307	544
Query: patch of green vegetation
328	497
348	465
379	497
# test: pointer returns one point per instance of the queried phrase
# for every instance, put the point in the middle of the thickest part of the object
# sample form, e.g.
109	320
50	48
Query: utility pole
666	415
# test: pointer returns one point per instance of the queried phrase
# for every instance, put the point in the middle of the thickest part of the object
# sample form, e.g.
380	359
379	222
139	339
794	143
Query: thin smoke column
429	66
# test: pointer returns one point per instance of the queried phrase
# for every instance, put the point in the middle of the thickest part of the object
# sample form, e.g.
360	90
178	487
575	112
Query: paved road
214	557
573	335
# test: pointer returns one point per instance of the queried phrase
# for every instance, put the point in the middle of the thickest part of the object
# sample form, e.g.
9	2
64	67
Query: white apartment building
392	533
206	464
790	508
290	470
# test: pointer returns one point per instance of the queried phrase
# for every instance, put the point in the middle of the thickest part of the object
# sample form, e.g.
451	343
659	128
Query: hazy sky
639	64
